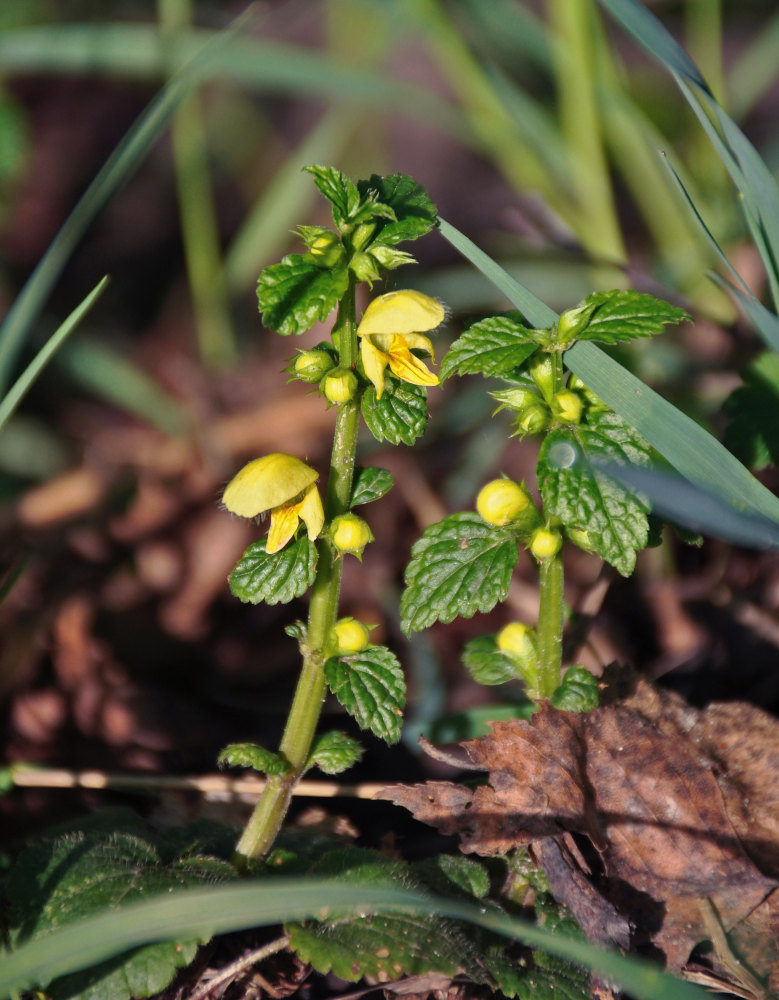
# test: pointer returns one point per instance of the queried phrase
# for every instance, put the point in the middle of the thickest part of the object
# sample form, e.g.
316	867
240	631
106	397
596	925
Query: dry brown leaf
678	804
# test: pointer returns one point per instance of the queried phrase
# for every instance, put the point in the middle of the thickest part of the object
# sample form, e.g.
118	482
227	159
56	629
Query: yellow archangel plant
283	485
390	329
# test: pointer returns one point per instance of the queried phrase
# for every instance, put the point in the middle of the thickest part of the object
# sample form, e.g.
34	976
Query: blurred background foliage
162	144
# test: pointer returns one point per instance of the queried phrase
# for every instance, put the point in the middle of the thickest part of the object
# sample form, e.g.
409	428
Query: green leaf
277	577
58	882
459	566
493	346
583	496
486	663
371	687
400	416
339	190
382	947
620	315
578	691
753	431
370	484
334	752
415	213
296	293
468	874
254	756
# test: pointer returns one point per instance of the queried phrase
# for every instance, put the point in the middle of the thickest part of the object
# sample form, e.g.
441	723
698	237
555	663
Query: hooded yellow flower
389	330
283	485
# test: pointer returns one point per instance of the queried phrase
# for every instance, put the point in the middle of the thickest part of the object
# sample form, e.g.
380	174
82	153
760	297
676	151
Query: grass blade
536	312
689	448
24	382
201	913
681	502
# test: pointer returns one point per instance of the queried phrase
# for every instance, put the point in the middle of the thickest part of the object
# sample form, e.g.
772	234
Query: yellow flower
389	330
283	485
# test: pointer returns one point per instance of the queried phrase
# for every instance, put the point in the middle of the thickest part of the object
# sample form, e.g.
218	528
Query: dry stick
239	965
207	784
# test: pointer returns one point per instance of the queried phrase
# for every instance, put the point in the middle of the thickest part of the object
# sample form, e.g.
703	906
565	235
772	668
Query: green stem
295	748
550	625
551	607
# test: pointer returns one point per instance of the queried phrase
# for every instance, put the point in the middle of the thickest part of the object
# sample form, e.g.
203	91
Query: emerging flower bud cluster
518	642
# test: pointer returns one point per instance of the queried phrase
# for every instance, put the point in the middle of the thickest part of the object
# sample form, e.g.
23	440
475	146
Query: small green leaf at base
587	499
296	293
459	566
621	315
371	687
486	663
578	691
274	578
400	416
370	484
254	756
334	752
493	346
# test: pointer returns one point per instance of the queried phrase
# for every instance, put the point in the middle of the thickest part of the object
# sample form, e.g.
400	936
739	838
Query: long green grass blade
691	450
682	502
536	312
24	382
765	322
203	913
747	170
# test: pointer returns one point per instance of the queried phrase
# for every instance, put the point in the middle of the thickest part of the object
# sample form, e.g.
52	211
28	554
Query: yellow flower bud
502	501
541	368
545	543
310	366
349	636
350	534
339	386
532	420
516	638
567	406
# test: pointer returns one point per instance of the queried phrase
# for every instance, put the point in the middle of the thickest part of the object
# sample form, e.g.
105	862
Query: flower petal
403	364
401	312
311	512
266	483
374	362
283	525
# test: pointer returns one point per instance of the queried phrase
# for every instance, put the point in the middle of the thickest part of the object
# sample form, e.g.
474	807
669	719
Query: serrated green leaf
371	484
753	432
400	416
254	756
467	874
578	691
371	687
493	346
277	577
459	566
415	213
486	663
621	315
583	496
296	293
334	752
382	947
338	189
57	882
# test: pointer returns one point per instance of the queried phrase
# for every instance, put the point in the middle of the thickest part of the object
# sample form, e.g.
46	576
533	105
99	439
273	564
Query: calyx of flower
283	485
390	330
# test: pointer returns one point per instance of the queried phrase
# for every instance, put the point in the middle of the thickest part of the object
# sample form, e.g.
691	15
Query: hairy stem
295	747
550	625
